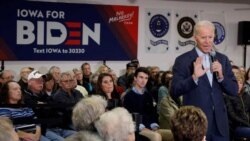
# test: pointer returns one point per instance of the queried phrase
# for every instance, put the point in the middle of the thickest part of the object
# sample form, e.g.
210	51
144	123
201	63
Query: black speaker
244	33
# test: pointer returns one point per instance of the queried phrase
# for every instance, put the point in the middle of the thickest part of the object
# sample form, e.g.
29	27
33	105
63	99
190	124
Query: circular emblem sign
159	25
219	33
185	27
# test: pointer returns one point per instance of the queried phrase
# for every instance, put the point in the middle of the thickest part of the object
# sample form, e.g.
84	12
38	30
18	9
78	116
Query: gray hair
84	136
87	111
53	68
7	130
203	23
115	125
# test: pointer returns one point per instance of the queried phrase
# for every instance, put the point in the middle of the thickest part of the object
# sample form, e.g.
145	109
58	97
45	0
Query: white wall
233	14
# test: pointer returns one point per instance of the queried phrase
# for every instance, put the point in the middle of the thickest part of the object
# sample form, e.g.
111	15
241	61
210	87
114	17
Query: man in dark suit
202	76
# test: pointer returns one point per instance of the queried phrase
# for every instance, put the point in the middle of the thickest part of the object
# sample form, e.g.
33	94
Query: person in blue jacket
201	76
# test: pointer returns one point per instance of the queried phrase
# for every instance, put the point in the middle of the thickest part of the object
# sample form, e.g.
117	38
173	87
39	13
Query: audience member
129	85
23	81
102	69
235	69
84	136
118	88
136	62
5	76
48	85
34	95
247	82
78	87
138	100
122	80
66	94
155	89
79	76
238	108
130	81
11	94
93	81
86	71
7	130
189	123
106	88
167	109
163	90
55	71
116	125
152	80
85	113
242	70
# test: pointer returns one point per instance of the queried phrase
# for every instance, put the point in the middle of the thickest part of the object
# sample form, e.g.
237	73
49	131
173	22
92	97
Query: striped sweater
18	114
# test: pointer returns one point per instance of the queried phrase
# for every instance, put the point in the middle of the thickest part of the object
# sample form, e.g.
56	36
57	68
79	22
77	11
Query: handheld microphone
212	55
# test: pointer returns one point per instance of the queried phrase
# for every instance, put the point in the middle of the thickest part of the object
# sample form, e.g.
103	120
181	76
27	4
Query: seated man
189	123
35	96
139	101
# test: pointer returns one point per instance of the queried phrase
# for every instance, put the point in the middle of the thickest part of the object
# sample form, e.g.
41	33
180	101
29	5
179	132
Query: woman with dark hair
7	97
48	85
106	87
11	94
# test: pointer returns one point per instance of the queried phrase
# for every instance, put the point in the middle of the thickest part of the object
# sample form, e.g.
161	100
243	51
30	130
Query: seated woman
48	85
238	110
85	113
11	94
189	123
163	90
120	128
106	88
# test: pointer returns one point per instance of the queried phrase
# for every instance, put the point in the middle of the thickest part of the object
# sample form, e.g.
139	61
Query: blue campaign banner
63	31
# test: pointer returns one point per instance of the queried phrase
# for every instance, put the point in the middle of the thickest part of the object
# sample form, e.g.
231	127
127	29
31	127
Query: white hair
7	130
203	23
87	111
115	125
84	136
53	68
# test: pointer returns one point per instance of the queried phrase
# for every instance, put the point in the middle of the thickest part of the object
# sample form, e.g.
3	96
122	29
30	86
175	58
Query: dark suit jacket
209	99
